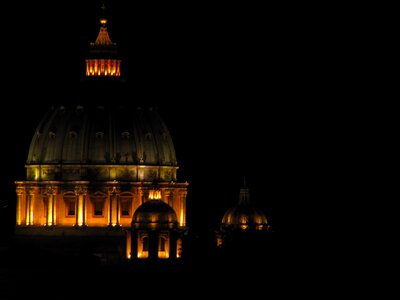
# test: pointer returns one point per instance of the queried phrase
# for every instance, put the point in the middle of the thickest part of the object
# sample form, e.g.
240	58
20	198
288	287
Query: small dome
154	214
244	216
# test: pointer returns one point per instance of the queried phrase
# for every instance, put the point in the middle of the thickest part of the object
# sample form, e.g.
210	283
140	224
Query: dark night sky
228	80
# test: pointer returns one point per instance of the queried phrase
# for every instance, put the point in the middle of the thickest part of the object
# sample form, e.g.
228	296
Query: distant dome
244	216
102	136
154	214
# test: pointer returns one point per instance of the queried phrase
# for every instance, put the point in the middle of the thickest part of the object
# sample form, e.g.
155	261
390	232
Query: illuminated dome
154	214
101	143
102	169
244	215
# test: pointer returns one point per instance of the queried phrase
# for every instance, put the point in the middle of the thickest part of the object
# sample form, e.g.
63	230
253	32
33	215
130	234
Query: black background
235	83
247	89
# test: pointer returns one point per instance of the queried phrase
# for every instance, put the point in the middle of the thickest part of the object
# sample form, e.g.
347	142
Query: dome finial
244	194
103	19
104	60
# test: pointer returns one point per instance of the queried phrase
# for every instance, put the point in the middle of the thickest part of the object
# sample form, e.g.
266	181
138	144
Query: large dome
154	214
99	142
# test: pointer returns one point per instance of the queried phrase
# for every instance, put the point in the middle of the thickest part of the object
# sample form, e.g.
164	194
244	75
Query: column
110	197
115	206
29	206
80	211
128	244
118	208
182	212
21	206
141	195
170	197
51	206
179	247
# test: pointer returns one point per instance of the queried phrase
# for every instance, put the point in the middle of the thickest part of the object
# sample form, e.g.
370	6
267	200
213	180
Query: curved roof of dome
154	213
244	214
102	135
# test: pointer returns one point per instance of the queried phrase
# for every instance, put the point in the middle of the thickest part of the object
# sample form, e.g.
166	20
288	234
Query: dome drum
244	217
101	172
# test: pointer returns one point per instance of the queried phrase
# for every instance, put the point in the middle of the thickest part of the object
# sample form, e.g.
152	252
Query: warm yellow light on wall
143	254
36	173
50	208
155	194
181	217
178	248
113	174
153	218
19	222
128	244
54	220
229	221
103	67
163	254
19	207
50	217
30	210
80	211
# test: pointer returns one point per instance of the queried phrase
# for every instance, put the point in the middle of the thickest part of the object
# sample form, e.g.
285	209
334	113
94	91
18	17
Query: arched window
126	206
98	207
143	245
126	200
98	203
70	200
163	247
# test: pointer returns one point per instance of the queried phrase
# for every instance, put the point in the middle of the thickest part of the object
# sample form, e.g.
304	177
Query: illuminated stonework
155	194
103	60
88	203
155	232
94	170
103	67
243	218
